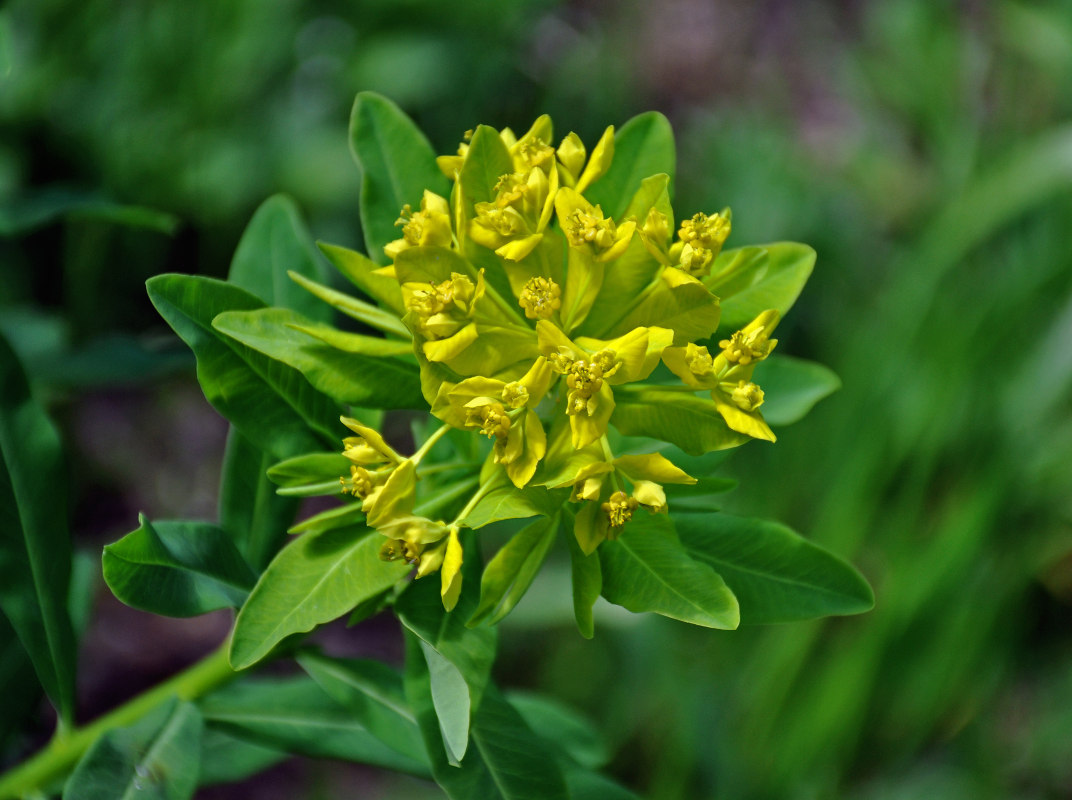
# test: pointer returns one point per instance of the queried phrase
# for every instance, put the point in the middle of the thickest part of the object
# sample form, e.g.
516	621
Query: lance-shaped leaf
674	301
228	759
587	577
450	648
157	757
177	569
275	243
691	422
777	575
644	146
254	516
298	716
369	314
310	474
360	270
314	579
574	738
270	403
648	569
35	547
397	164
506	760
509	502
374	694
792	387
509	574
751	280
369	372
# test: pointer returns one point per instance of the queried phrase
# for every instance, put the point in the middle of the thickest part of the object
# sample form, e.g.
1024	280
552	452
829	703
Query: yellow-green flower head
540	298
443	308
587	229
360	483
515	394
489	416
747	396
429	227
696	261
699	360
571	154
619	509
450	165
705	231
368	447
395	549
749	344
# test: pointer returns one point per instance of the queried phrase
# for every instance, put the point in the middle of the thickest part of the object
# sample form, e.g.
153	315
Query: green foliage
177	569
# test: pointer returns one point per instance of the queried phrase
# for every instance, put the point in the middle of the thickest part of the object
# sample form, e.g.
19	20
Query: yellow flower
429	227
587	229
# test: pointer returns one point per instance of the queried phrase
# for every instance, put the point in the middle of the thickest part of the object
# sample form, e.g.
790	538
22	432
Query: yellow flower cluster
513	293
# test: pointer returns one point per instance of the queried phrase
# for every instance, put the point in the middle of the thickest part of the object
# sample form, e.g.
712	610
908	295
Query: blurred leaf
23	215
297	716
254	516
374	695
648	569
271	404
644	146
573	736
509	574
359	268
314	579
228	759
350	378
509	502
585	785
688	421
157	757
35	546
397	165
275	243
506	760
792	387
177	569
749	283
19	681
777	575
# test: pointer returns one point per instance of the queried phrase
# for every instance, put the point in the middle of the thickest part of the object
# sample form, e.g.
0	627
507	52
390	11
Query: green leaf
397	164
586	785
683	419
367	313
177	569
271	404
19	682
449	645
792	387
486	161
688	309
373	693
297	716
314	579
644	146
648	569
509	502
274	243
254	516
587	577
24	214
352	378
451	700
749	282
338	517
509	574
228	759
505	761
35	546
310	469
573	736
777	575
358	269
154	759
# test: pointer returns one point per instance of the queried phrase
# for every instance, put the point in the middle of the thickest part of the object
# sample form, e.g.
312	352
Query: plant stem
64	751
429	443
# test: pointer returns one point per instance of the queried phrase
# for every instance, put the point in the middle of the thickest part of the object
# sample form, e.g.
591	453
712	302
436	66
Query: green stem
64	751
478	495
429	443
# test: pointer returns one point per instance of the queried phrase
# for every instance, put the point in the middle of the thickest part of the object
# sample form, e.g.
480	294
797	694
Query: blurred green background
923	148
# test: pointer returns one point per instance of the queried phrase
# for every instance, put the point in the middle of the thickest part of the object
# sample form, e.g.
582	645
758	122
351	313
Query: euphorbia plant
577	355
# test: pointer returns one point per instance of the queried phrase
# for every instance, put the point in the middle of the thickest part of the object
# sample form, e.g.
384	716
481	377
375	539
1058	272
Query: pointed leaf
274	243
648	569
644	146
177	569
792	387
749	284
313	580
397	164
269	403
587	575
777	575
509	502
35	546
509	574
686	420
359	269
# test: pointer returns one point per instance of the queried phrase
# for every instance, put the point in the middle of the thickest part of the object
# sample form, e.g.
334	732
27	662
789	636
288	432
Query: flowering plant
568	352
